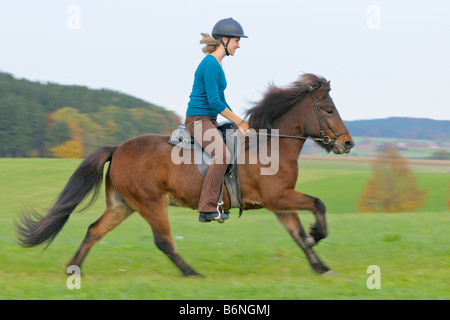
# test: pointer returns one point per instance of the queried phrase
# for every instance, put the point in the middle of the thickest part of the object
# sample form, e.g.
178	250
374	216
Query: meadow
247	258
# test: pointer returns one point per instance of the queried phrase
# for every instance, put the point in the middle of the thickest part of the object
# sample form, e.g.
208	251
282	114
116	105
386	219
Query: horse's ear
317	86
329	81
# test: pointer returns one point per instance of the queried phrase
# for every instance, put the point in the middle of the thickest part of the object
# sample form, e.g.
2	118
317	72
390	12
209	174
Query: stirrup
219	207
212	216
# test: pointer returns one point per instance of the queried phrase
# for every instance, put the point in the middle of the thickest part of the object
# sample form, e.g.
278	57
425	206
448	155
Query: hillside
36	117
415	138
402	128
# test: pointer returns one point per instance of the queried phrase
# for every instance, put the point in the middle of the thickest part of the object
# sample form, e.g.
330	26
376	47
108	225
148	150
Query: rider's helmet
228	28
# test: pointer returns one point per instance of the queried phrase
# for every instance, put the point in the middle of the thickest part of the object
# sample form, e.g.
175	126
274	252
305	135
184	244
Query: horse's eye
330	111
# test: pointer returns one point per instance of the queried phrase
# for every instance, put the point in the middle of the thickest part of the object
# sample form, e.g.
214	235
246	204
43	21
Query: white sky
384	58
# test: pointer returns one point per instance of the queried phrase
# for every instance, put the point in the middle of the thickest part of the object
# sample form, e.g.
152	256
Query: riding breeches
204	130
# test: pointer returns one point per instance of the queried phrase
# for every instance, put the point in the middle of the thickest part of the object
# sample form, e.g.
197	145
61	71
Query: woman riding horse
207	100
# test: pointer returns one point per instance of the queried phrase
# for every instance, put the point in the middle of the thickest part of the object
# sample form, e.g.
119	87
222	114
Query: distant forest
36	118
401	128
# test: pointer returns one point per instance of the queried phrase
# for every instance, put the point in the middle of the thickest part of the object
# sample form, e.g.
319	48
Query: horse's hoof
194	275
330	273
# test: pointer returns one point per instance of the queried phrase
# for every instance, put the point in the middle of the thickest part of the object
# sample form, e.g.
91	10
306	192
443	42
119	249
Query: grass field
247	258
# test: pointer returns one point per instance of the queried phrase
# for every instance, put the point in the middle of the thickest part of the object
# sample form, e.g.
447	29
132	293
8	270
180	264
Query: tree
441	155
57	133
393	187
70	149
35	117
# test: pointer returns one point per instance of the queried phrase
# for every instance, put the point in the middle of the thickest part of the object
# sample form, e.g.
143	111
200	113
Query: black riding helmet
229	28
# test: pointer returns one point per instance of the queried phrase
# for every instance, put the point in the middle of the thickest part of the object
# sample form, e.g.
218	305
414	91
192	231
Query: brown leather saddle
183	139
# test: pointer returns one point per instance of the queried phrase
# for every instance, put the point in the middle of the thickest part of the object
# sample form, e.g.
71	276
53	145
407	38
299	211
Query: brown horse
141	177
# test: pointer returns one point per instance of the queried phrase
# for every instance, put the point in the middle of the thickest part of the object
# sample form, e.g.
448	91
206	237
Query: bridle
324	139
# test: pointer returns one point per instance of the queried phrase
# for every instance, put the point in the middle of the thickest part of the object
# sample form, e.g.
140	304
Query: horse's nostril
349	144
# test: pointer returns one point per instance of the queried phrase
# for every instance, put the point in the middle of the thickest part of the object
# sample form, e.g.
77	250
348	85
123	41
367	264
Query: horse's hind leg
157	216
116	211
108	221
291	222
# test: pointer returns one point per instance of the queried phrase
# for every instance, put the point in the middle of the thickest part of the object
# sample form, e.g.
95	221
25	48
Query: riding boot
214	216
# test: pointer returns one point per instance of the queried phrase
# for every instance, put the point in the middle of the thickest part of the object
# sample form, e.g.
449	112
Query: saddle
182	138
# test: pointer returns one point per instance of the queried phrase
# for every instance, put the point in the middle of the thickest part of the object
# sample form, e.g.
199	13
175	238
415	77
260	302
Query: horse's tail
34	229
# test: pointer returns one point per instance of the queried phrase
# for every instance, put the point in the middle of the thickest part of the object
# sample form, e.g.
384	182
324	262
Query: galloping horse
141	177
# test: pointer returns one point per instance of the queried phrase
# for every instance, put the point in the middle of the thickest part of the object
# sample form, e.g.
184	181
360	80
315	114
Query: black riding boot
213	216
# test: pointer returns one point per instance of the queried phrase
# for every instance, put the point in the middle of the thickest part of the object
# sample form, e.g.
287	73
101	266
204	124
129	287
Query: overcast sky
384	58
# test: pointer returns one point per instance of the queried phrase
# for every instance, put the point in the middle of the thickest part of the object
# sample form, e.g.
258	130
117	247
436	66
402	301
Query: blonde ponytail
210	43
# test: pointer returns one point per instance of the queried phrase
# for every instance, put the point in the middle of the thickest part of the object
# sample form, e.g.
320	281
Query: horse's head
304	109
323	120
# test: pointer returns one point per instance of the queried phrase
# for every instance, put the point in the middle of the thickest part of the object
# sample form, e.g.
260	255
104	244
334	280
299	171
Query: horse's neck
290	124
291	148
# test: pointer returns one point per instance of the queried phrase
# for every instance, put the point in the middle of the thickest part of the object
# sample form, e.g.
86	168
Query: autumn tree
393	187
36	117
69	149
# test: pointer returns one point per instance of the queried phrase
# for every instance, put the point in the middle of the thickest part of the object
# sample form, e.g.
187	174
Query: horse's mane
277	101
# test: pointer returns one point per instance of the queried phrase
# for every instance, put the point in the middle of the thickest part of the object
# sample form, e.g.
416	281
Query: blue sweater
207	97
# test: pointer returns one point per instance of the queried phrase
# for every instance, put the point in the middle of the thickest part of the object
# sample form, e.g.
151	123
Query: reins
325	140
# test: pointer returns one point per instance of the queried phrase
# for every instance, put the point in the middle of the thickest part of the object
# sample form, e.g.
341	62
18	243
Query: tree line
48	120
401	127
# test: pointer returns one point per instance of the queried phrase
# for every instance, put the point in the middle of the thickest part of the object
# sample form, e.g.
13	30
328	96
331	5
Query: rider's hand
243	127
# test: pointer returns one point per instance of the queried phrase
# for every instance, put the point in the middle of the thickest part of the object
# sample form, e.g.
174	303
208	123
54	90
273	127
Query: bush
393	187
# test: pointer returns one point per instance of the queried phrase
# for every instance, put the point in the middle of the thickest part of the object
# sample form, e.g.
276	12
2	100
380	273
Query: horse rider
206	101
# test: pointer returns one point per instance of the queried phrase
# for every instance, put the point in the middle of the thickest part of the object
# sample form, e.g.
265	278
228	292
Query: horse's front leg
294	227
291	200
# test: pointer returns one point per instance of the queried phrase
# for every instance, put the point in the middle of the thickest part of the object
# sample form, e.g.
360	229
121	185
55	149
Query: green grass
247	258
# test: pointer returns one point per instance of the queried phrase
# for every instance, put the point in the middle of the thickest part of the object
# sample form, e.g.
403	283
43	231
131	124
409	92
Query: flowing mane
277	101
